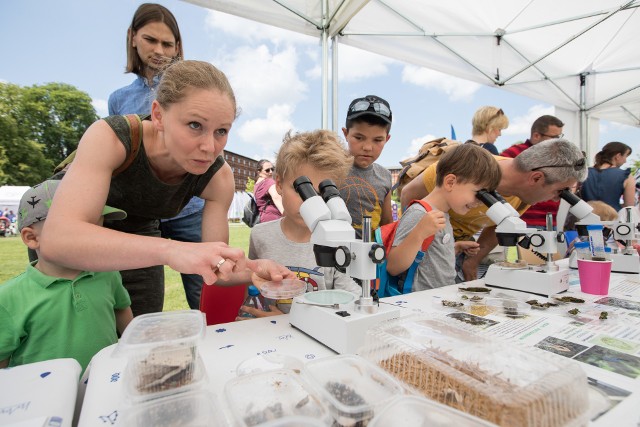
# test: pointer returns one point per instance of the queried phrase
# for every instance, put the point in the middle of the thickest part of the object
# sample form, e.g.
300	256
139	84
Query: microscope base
344	335
533	280
621	263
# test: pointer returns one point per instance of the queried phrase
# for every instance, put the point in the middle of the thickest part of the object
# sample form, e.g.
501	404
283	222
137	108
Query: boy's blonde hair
470	163
603	210
322	149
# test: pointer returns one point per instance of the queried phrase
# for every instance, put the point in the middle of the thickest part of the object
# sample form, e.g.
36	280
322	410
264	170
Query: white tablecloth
39	394
617	373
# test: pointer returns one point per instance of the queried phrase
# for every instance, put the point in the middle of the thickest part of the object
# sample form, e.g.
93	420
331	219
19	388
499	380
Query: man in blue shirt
153	42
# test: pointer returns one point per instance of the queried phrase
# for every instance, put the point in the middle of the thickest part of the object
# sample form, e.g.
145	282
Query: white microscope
547	279
625	260
338	323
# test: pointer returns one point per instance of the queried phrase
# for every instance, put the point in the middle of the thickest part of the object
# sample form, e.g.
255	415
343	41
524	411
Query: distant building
395	171
243	167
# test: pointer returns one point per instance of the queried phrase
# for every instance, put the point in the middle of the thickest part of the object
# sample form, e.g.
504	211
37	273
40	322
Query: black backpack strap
135	128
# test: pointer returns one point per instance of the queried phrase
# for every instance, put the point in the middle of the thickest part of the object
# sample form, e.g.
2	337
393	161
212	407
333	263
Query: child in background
460	174
318	155
367	188
51	311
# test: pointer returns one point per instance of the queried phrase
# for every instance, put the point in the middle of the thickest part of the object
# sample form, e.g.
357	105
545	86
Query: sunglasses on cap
578	165
365	105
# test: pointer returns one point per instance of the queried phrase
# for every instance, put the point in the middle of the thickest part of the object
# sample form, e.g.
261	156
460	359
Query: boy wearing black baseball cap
367	189
51	311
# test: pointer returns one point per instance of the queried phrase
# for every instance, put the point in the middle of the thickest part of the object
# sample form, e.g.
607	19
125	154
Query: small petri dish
508	307
516	265
330	297
283	289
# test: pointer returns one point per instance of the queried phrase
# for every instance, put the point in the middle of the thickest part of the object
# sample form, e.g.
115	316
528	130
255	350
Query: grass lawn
13	261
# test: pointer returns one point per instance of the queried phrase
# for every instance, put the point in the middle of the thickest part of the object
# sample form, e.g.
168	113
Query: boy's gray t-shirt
437	268
364	191
267	241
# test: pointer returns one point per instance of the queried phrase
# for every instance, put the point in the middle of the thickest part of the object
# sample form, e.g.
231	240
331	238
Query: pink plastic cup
594	276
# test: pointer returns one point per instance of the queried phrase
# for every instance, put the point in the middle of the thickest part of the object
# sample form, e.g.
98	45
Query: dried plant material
165	368
467	387
568	299
534	303
574	311
477	289
604	315
452	304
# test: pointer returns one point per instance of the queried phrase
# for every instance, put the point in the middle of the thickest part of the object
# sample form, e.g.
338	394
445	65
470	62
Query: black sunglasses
268	170
576	166
377	106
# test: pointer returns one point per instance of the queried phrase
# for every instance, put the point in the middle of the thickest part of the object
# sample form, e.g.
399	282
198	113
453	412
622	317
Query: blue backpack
389	285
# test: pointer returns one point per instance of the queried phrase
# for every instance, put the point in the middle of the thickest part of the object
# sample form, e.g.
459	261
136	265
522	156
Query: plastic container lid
253	291
352	387
258	398
581	245
508	307
283	289
294	421
268	362
191	409
171	328
456	365
415	411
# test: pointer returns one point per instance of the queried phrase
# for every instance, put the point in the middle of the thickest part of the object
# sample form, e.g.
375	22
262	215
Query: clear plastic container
191	409
415	411
268	396
283	289
329	297
495	380
162	353
268	362
352	387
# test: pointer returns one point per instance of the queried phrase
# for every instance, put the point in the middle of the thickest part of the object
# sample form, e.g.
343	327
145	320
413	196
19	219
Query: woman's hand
265	270
211	260
256	312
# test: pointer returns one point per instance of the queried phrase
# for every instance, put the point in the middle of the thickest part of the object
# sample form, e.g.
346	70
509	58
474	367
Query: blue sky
275	73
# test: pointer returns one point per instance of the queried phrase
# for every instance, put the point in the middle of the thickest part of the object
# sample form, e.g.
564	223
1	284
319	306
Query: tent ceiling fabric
536	48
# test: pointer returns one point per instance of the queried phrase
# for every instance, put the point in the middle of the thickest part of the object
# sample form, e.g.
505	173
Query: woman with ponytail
606	181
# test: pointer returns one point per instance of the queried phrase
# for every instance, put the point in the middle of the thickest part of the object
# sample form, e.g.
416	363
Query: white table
225	346
39	394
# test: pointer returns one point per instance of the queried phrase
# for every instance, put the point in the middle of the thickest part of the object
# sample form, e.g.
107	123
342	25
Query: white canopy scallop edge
579	55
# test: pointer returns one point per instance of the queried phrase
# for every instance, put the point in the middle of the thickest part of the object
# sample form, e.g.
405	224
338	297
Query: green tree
39	127
58	114
22	160
250	184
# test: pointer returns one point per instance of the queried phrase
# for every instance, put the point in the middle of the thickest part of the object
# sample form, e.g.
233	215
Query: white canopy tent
578	55
10	196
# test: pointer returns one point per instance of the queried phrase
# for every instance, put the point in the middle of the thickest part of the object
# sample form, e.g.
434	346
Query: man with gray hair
537	174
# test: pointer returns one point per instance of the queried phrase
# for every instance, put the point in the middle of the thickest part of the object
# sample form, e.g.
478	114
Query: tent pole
325	65
584	141
334	84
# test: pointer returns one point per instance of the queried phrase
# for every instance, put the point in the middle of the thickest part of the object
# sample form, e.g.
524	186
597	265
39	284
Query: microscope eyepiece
304	188
571	198
486	197
328	190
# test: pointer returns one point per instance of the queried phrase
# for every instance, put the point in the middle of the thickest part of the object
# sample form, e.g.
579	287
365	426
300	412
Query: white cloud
357	64
455	88
101	106
253	31
266	133
416	143
521	125
262	78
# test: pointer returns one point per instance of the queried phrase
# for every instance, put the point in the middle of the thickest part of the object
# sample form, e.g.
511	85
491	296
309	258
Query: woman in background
606	181
488	123
267	197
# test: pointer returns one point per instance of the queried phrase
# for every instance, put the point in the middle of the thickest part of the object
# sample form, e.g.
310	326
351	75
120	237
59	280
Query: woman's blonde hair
181	76
321	148
486	118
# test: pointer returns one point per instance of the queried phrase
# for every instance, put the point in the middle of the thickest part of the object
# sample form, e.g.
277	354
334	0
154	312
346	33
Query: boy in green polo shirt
50	311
